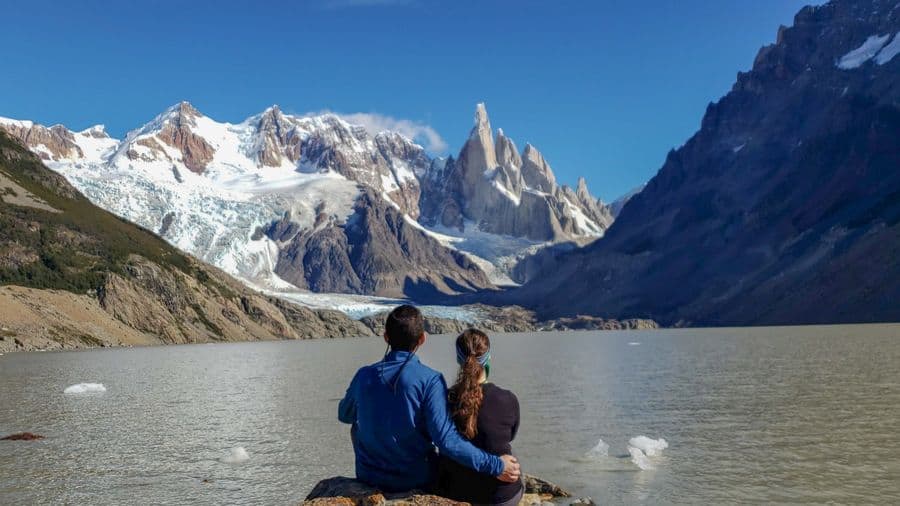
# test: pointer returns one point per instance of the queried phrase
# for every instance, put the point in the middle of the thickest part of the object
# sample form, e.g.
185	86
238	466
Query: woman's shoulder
499	394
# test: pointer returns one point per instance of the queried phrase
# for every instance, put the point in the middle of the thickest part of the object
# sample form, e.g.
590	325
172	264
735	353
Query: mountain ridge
74	275
782	208
209	188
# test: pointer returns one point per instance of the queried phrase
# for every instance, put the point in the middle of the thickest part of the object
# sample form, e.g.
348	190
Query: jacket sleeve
347	406
514	403
445	436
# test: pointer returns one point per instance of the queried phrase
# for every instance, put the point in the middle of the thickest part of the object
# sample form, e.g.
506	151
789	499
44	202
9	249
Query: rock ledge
341	491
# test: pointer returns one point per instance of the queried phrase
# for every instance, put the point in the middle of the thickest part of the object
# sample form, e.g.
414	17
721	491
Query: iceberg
601	449
83	388
236	455
640	459
651	447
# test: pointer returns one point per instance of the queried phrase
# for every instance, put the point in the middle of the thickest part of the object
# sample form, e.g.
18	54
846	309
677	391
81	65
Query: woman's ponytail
472	350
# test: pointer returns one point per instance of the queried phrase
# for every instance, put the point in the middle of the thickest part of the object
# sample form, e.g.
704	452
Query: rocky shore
42	320
513	319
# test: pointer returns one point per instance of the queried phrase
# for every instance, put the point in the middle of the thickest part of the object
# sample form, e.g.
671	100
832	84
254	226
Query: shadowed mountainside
782	209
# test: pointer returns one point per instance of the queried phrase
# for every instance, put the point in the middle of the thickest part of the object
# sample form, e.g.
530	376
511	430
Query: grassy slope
76	247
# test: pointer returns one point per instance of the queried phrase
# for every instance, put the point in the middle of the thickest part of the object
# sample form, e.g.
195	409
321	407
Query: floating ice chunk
83	388
634	343
601	449
236	455
650	447
640	459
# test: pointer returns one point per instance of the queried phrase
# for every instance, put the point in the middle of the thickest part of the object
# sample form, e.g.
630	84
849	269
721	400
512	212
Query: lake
777	414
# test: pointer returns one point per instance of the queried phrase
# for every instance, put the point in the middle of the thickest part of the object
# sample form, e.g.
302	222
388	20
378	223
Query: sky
604	89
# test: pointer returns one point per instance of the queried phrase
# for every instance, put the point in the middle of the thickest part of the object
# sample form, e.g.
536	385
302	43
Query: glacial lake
778	414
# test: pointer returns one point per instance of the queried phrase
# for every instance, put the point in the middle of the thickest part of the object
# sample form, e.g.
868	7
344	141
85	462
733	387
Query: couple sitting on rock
410	433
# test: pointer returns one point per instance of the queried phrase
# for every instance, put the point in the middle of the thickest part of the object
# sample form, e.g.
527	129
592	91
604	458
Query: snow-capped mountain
314	202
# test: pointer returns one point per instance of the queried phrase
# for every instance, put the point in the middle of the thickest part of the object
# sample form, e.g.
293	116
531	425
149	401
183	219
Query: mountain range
783	207
74	275
316	203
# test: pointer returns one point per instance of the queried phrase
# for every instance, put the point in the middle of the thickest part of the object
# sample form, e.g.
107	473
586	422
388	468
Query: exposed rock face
178	133
341	491
278	140
504	192
536	171
86	278
384	161
50	143
782	209
377	251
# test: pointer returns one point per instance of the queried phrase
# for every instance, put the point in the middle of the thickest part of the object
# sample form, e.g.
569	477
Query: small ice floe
640	459
652	447
643	448
83	388
600	450
236	455
634	343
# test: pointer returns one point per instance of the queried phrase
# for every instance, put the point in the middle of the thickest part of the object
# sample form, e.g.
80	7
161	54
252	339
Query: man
398	411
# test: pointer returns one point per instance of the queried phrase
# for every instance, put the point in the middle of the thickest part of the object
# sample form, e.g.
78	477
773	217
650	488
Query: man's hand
511	471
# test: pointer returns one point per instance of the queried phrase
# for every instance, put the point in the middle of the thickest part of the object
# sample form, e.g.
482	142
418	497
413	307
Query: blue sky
603	88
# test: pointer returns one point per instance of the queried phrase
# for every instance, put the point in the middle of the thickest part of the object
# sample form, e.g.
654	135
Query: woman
485	414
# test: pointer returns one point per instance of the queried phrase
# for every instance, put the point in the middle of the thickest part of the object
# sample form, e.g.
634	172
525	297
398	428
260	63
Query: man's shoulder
372	368
425	373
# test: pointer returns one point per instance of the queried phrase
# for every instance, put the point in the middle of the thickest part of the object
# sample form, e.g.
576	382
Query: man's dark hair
405	324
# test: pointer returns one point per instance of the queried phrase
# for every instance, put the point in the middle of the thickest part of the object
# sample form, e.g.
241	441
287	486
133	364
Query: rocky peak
482	122
487	185
536	171
96	131
582	191
184	111
506	153
177	132
479	149
54	143
175	127
277	139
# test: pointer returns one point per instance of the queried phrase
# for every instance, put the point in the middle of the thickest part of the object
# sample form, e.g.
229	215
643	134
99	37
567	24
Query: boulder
342	491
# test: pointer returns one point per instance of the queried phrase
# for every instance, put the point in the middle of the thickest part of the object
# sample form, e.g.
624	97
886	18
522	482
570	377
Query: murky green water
793	414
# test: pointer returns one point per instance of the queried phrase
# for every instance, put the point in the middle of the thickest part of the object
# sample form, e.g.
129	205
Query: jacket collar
400	356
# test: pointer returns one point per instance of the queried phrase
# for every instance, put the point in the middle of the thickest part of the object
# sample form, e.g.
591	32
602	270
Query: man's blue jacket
398	421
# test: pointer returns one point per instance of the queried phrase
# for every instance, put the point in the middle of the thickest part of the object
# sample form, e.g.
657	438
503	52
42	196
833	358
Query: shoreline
65	348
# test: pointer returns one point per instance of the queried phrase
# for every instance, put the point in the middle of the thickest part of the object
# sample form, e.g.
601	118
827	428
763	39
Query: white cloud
417	131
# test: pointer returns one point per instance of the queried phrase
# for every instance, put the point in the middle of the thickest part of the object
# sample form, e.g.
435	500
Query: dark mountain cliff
783	208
